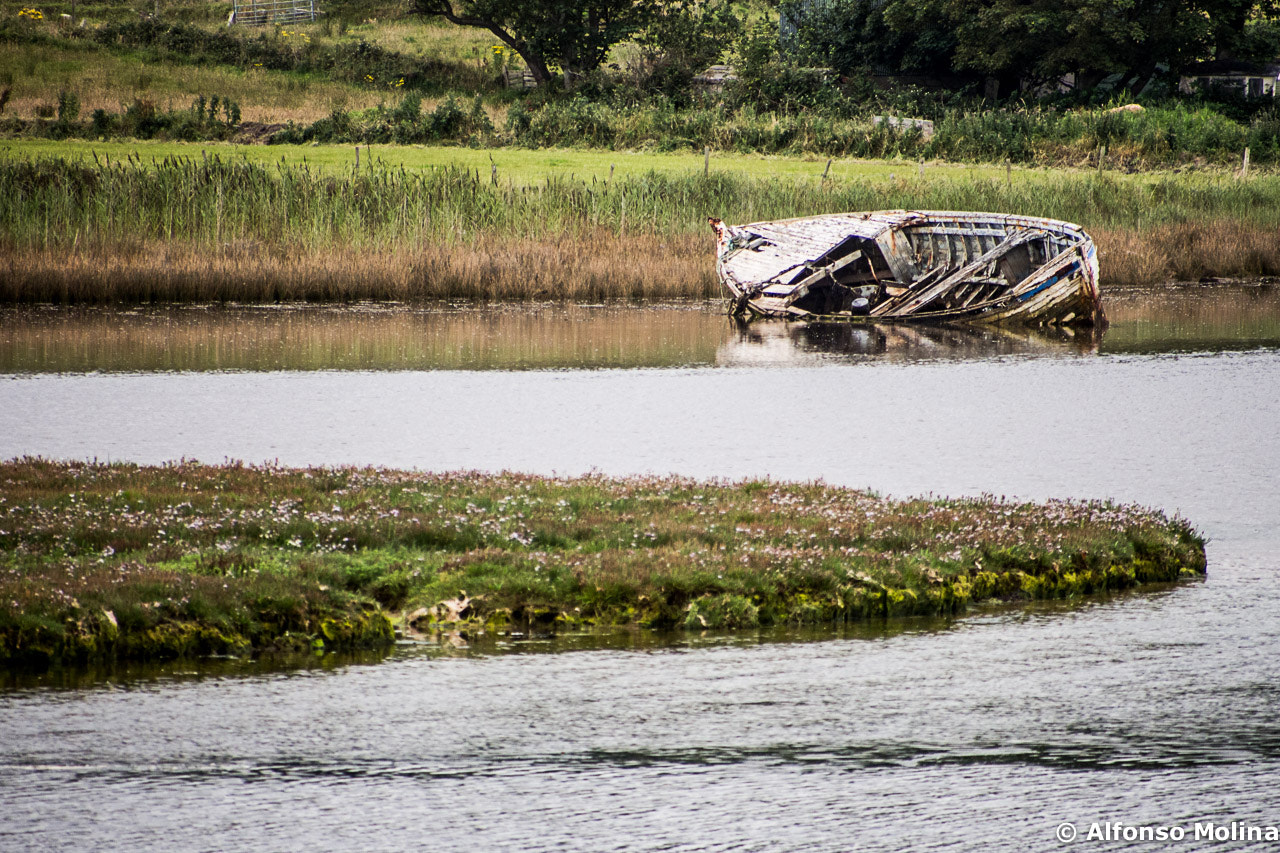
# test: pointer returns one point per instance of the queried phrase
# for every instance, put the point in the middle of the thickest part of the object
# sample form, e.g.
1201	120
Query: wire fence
258	12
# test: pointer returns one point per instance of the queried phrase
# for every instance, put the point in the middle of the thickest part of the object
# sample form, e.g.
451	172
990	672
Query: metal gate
272	11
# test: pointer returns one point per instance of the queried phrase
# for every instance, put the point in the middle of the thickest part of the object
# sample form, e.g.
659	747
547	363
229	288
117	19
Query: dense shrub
207	119
403	124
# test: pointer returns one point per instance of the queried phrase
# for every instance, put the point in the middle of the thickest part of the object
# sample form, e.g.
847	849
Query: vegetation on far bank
407	79
101	562
550	226
204	229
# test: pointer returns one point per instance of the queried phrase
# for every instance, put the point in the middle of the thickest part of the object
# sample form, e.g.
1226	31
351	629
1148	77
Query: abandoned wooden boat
912	265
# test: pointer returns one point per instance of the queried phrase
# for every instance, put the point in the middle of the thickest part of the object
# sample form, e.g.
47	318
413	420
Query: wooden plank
758	267
905	293
830	269
797	290
918	301
981	293
991	231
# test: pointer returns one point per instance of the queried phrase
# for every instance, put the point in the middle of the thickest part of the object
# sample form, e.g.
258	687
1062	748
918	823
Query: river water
1157	709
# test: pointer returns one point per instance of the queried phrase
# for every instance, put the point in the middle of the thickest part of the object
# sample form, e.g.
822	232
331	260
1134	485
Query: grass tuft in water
126	562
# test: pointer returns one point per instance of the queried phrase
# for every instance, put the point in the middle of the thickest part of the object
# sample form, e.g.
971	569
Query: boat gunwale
904	218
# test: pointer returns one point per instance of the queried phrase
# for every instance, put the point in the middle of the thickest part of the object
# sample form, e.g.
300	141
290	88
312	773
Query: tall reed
183	229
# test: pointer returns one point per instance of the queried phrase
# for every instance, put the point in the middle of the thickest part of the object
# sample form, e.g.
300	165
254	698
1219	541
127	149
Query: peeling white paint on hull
912	265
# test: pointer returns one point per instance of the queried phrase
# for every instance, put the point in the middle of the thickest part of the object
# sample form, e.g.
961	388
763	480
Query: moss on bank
108	562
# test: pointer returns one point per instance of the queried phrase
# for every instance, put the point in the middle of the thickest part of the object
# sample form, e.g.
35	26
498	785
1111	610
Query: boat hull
940	266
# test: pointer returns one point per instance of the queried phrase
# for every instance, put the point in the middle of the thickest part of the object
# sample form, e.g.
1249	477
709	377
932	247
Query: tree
853	35
574	34
689	34
1231	22
1039	41
1035	41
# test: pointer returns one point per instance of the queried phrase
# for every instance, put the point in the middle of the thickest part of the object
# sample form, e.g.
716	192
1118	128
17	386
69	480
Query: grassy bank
119	561
532	166
107	72
112	82
294	73
205	229
405	82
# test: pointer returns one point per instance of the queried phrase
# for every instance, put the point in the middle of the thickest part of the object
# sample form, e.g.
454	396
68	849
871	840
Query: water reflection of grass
195	229
1203	318
119	561
366	337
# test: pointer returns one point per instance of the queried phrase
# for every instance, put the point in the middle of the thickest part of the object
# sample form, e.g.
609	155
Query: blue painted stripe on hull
1067	273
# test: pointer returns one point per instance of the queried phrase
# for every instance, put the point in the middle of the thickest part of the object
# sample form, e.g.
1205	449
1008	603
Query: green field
110	81
530	166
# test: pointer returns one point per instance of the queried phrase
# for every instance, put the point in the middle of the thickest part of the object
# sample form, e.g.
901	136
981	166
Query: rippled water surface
987	733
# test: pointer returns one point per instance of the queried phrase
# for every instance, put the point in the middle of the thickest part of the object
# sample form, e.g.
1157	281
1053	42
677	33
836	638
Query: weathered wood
934	265
827	271
985	259
905	293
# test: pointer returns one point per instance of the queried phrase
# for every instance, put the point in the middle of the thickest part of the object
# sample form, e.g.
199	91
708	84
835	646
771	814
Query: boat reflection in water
807	343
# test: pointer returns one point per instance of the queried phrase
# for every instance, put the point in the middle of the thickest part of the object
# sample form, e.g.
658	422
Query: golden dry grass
601	266
1187	252
105	81
427	38
200	230
604	267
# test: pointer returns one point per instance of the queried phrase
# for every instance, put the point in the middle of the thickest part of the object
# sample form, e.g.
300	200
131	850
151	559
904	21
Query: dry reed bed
182	229
1188	251
606	268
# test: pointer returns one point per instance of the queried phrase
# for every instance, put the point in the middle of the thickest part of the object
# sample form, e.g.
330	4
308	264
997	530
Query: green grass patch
120	561
37	73
526	166
401	193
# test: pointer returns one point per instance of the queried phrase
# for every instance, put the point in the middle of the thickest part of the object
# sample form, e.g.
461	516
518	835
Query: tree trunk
537	64
1230	31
